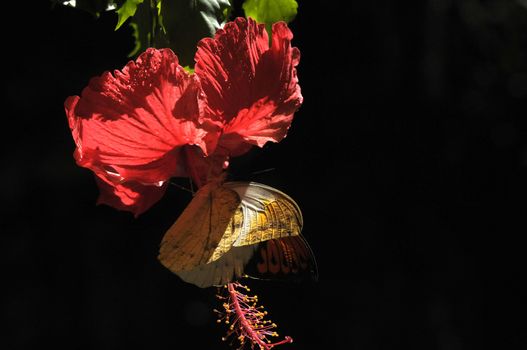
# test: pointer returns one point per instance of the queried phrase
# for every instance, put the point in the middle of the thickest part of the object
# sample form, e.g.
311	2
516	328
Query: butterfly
233	229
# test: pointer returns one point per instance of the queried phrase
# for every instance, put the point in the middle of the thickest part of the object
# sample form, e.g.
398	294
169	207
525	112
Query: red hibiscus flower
251	88
130	128
152	121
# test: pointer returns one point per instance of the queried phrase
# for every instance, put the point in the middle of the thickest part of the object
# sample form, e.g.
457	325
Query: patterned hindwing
288	258
267	213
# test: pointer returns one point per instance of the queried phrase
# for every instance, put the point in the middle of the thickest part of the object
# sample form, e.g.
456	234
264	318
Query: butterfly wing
287	258
216	236
197	233
267	213
227	268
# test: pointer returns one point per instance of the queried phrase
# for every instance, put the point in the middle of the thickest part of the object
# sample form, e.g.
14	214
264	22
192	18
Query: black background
408	158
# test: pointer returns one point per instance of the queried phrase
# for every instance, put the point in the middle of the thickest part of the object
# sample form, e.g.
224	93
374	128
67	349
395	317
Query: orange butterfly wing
283	258
267	213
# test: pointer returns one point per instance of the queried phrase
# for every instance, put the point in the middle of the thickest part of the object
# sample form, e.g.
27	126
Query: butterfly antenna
314	272
263	171
191	185
191	190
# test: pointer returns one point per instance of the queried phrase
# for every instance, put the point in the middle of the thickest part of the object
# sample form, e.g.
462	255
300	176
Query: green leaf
160	16
227	13
270	11
189	69
147	27
139	41
142	23
126	10
188	21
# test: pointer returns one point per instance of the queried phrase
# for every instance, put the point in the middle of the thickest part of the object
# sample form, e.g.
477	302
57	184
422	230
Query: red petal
133	122
262	122
130	196
250	87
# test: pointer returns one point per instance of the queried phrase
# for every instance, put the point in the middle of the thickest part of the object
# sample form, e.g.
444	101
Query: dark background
408	158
